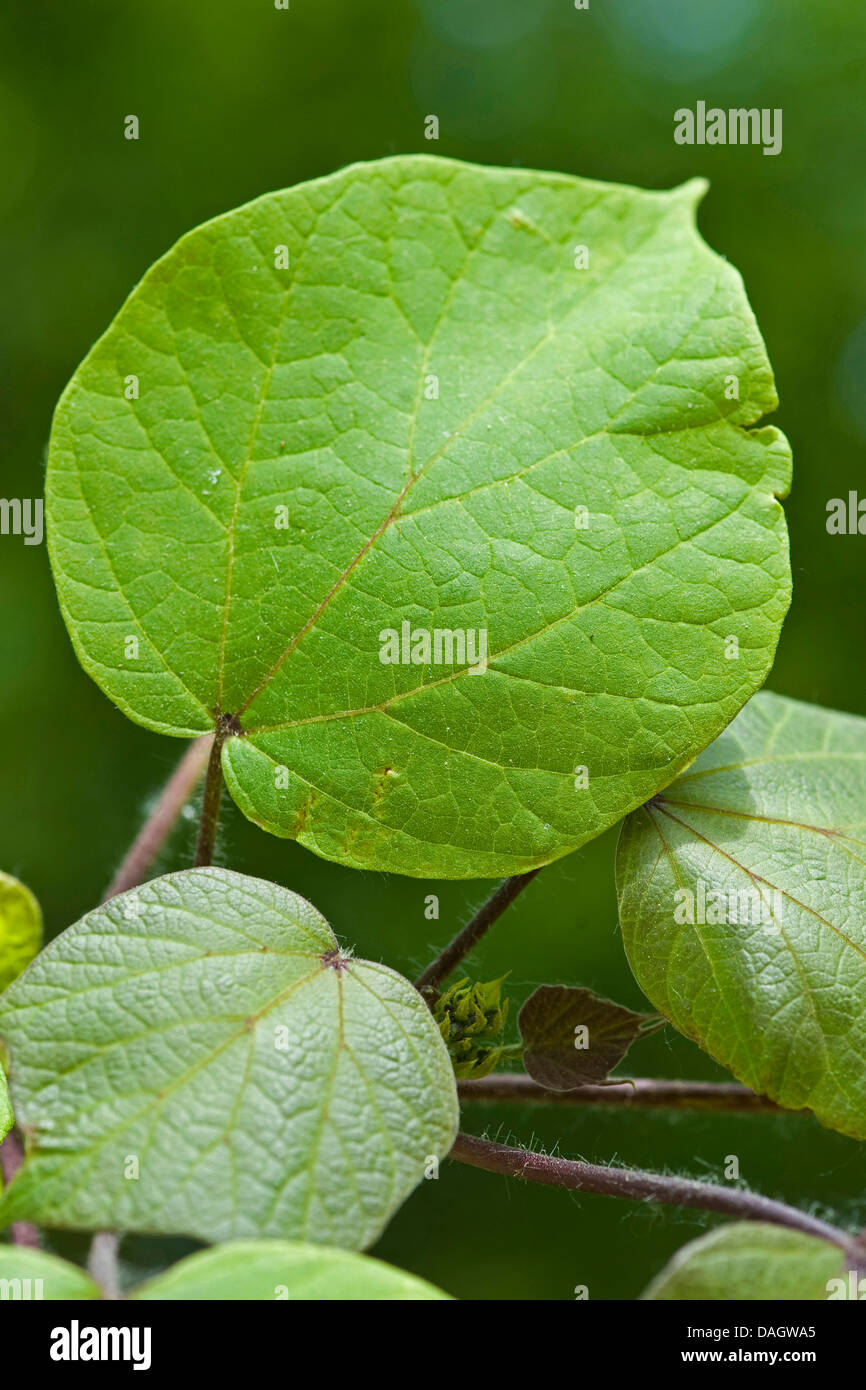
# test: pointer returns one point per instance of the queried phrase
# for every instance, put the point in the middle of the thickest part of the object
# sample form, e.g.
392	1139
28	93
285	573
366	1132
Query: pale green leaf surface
20	928
772	818
749	1261
60	1280
208	1026
558	388
279	1270
6	1116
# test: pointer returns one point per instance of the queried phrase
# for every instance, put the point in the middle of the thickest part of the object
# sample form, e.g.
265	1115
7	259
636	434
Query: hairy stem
102	1257
102	1263
153	834
469	936
11	1158
638	1186
627	1093
227	724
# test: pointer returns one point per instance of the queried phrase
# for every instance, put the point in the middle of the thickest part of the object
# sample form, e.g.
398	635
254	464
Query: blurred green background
236	98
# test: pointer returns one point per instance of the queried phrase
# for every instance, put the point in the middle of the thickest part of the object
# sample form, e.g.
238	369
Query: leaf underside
763	843
555	1052
199	1057
431	391
750	1262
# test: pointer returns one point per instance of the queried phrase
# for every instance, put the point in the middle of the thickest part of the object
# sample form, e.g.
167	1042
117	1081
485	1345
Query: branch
469	936
638	1186
11	1158
627	1093
153	834
227	724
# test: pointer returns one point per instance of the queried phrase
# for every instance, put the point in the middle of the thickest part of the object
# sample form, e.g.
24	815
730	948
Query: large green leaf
763	844
750	1261
20	928
198	1056
27	1274
276	1270
436	415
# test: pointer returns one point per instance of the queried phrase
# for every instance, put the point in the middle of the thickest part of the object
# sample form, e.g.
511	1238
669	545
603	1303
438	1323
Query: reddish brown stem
469	936
11	1158
153	834
630	1093
638	1186
227	725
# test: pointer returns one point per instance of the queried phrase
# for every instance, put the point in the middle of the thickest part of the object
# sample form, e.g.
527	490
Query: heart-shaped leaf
750	1261
743	905
278	1270
431	485
20	929
198	1056
27	1274
572	1037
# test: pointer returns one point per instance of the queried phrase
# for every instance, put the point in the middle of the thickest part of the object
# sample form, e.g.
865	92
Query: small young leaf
199	1057
34	1274
574	1038
471	1018
743	904
420	397
277	1270
20	929
750	1261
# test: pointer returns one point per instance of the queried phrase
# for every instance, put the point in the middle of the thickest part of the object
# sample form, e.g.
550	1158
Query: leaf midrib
759	878
808	993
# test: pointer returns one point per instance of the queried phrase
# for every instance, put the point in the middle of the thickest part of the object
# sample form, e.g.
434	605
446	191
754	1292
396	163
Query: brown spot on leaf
380	784
303	813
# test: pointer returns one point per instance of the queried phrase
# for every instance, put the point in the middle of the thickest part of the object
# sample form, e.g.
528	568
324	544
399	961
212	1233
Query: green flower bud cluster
471	1018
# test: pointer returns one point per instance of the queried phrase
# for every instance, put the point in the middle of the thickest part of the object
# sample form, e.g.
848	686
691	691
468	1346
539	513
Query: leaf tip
694	190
